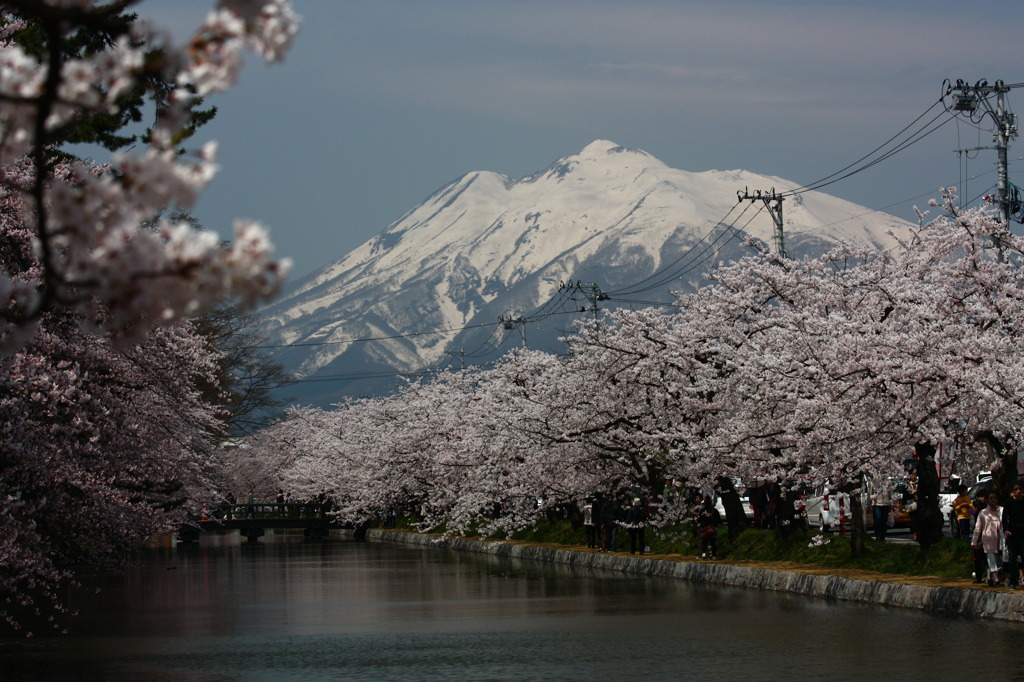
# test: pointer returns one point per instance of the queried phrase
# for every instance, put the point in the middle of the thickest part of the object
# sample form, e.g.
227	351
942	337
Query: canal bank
881	589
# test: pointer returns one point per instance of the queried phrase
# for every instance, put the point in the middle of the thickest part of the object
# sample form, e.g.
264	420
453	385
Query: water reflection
290	610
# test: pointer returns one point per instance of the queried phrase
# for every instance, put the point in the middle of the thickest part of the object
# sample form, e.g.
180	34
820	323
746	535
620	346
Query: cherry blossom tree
513	472
830	370
106	427
103	448
857	359
93	253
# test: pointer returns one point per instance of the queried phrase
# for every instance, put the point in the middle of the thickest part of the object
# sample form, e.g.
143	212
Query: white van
827	509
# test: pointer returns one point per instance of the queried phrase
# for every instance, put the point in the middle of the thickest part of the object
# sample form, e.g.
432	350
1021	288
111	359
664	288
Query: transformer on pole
509	323
773	202
592	292
973	101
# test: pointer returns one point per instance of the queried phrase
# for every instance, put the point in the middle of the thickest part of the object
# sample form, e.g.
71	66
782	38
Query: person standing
1013	533
910	505
588	523
708	520
988	536
977	506
881	506
610	523
636	520
770	493
963	508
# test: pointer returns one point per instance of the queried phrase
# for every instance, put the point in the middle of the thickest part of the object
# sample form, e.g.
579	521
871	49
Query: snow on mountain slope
486	245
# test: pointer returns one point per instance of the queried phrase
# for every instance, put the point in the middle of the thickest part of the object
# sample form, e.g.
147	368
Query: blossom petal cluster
98	234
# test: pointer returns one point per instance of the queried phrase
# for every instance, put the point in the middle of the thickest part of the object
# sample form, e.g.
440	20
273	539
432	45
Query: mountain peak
484	246
602	150
600	147
603	156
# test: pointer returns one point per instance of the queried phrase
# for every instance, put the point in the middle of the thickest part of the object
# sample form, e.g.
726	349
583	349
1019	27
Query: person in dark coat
1013	531
636	521
769	494
708	519
610	523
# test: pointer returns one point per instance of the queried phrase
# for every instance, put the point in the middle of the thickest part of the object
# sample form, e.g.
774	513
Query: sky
382	102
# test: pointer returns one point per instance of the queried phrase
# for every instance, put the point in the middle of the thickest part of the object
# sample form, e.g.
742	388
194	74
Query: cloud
382	102
511	59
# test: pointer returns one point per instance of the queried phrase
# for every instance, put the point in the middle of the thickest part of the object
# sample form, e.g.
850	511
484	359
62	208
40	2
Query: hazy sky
382	102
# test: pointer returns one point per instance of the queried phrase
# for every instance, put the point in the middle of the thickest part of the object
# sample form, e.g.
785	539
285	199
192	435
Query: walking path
933	595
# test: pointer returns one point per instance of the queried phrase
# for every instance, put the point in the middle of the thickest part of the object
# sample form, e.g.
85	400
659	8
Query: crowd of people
602	518
998	535
232	508
996	532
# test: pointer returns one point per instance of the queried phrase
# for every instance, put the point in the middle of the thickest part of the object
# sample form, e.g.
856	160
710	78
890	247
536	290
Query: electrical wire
378	338
931	126
553	306
662	276
640	302
919	135
821	182
700	259
537	315
491	344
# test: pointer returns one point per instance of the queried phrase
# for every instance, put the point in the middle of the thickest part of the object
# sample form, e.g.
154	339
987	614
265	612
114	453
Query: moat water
285	609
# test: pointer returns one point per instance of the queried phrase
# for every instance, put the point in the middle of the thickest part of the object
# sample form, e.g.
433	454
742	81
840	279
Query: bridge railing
269	510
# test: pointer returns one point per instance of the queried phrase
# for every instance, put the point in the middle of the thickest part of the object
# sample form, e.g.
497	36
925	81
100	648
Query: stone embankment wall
978	603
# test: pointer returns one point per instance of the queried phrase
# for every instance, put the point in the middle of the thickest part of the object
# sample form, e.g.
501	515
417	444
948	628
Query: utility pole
773	202
591	291
510	323
968	99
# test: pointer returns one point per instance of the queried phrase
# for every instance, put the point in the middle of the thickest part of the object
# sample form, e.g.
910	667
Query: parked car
973	491
748	510
824	509
827	508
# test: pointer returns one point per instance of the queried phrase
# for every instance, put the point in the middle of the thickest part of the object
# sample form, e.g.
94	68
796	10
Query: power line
379	338
641	302
700	259
537	315
918	135
665	274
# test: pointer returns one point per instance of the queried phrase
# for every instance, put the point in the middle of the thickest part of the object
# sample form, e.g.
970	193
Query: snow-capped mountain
429	290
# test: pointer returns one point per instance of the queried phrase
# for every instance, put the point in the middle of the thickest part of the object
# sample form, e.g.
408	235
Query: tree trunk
929	518
857	530
785	513
735	518
1005	475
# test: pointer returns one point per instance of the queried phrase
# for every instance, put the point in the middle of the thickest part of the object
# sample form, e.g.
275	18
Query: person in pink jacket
988	536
